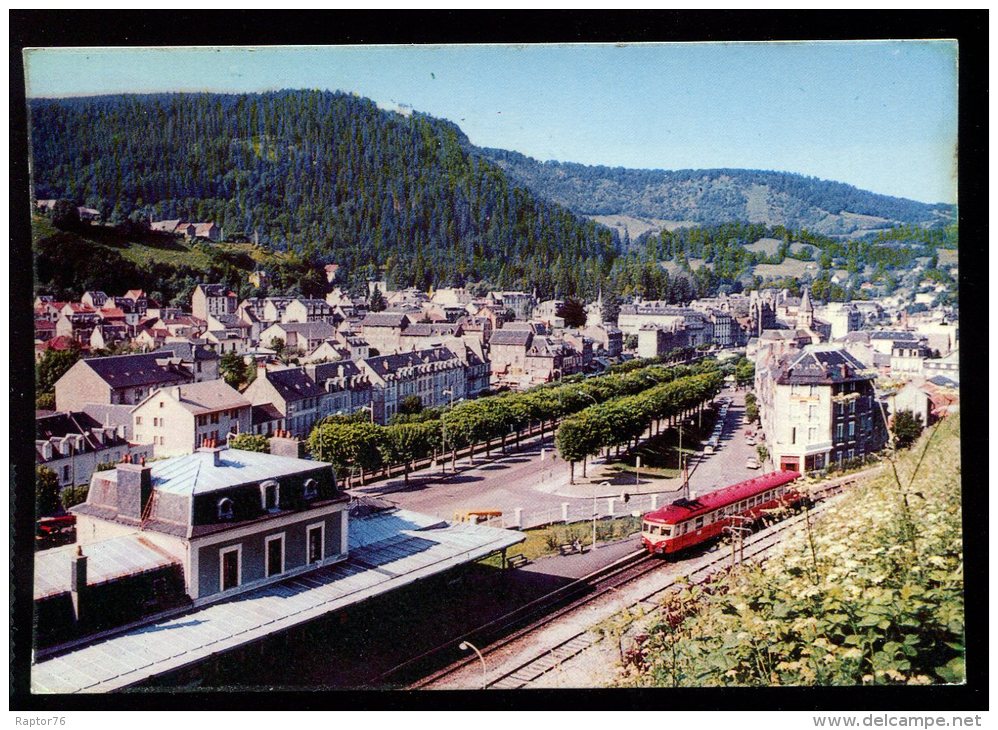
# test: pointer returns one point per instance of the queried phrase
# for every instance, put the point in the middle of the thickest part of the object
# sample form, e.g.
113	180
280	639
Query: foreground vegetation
873	594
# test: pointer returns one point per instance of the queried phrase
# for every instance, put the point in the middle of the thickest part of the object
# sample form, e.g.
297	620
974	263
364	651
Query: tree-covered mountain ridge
327	174
658	198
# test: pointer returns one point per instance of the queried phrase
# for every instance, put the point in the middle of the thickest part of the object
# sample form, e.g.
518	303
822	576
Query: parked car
752	463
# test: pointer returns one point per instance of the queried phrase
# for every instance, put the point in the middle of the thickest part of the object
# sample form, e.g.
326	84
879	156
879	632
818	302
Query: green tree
72	496
233	369
250	442
65	216
46	491
52	366
406	442
377	303
573	312
907	427
744	372
411	404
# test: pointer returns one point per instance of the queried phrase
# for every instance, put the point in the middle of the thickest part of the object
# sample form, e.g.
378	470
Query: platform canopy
388	549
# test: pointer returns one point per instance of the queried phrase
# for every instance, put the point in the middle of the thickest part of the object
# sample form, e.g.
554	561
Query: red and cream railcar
686	523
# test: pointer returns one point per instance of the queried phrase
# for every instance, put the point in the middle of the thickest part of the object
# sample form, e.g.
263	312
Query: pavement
533	479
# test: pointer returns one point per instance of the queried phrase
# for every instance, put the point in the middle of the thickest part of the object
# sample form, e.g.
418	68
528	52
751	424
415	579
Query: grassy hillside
874	597
68	263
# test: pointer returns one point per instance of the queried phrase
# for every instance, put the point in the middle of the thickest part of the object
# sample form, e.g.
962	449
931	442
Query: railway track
526	619
533	668
505	631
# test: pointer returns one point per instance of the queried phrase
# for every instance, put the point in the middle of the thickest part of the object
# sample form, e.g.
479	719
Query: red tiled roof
673	513
63	342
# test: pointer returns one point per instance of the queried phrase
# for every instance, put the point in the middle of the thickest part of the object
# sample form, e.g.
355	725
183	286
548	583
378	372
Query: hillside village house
383	330
213	299
819	407
310	310
302	336
181	418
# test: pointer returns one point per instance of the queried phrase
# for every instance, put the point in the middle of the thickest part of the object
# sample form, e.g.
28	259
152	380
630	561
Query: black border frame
158	28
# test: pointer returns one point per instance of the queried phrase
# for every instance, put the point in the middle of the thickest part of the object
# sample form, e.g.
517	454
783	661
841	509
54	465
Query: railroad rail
533	616
531	669
523	620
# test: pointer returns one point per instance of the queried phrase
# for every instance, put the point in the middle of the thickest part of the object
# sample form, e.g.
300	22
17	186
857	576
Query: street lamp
369	409
465	646
602	484
450	392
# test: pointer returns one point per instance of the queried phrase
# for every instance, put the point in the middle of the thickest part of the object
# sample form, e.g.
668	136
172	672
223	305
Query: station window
225	509
230	567
311	490
270	495
275	555
315	542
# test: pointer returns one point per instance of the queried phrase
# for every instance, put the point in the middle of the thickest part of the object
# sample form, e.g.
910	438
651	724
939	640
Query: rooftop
124	371
387	551
197	474
205	397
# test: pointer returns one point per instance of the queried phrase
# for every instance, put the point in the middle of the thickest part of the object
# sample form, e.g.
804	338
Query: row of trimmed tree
352	446
623	420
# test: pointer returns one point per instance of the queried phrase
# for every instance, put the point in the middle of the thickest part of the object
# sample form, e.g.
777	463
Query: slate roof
822	365
216	290
187	351
293	384
388	364
265	413
504	336
206	397
196	473
894	335
126	371
309	330
385	319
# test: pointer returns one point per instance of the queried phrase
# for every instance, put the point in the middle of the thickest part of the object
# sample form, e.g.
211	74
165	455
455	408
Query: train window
667	530
698	524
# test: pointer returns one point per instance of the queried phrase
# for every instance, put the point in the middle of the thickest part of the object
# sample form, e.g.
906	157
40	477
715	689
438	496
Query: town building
303	337
294	399
818	407
213	299
179	419
73	443
383	331
434	375
122	379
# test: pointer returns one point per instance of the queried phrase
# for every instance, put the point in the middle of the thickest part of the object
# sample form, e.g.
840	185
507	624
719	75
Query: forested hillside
326	174
712	197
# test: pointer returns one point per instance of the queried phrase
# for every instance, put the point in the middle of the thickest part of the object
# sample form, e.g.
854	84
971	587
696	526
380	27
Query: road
535	481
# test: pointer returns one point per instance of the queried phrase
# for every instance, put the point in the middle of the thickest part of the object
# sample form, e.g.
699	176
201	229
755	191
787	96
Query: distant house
436	376
292	394
383	330
303	336
181	418
210	299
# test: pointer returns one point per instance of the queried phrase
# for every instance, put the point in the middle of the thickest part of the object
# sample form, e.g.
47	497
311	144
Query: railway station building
191	556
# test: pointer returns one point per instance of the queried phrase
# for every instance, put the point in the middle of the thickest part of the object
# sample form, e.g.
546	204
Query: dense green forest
322	177
716	196
328	175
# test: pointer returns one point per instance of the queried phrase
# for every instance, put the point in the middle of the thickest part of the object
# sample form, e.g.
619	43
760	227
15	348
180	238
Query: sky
880	115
